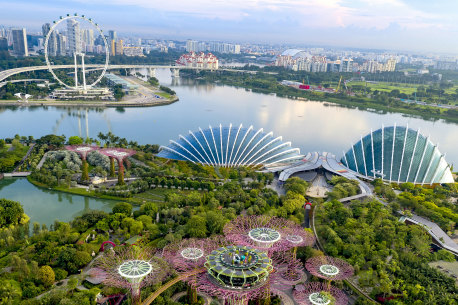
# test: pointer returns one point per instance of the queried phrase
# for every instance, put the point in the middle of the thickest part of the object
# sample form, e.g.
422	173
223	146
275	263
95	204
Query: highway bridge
150	68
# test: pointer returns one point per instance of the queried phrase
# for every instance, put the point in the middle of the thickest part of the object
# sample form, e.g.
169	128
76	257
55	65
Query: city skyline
397	25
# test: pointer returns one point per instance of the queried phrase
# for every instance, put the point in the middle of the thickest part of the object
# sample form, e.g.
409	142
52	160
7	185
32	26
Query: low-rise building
198	60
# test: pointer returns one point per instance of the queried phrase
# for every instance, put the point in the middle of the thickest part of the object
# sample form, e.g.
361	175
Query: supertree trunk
84	171
192	295
112	167
120	173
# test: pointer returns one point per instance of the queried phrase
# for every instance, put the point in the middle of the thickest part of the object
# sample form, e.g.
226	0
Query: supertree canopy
82	150
131	268
237	267
119	154
267	233
189	255
236	274
329	268
317	293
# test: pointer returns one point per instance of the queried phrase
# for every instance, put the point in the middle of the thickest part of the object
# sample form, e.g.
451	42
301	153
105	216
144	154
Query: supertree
237	274
295	236
189	255
267	233
119	154
82	150
317	293
131	268
329	268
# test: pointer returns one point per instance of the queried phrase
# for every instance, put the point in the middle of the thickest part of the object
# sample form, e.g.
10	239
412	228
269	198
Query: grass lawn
163	94
387	86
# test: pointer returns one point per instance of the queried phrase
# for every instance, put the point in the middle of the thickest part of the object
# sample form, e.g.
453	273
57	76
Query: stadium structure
230	146
394	154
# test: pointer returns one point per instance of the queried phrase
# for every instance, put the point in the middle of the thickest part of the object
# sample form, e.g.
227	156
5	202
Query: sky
410	25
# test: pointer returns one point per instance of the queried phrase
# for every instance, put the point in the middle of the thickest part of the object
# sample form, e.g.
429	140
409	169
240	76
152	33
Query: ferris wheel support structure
84	86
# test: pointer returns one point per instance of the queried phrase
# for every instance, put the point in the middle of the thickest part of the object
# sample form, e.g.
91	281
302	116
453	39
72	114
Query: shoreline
109	104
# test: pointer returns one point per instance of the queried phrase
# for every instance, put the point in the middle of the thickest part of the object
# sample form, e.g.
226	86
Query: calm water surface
310	126
44	206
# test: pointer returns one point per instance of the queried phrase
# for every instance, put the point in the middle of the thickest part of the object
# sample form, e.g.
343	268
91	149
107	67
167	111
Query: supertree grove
130	268
119	154
82	150
317	293
189	255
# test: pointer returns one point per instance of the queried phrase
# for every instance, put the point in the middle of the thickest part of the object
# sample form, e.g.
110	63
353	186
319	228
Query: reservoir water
310	126
44	206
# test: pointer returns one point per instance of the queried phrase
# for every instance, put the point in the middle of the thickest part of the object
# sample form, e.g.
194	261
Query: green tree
46	276
10	212
75	140
196	226
122	208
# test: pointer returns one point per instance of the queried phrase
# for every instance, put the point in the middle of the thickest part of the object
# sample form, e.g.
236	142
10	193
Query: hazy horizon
404	25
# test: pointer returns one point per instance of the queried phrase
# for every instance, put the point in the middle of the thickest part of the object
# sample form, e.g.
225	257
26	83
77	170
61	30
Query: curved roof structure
398	154
230	146
292	52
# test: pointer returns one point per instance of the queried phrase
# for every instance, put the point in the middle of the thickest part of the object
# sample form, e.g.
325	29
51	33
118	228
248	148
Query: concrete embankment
89	103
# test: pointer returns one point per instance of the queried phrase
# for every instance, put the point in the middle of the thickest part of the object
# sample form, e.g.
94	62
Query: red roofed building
198	60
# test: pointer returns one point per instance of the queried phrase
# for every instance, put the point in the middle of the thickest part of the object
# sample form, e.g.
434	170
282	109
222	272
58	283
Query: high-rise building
73	37
52	42
88	37
116	47
112	35
3	44
20	42
390	65
61	44
192	45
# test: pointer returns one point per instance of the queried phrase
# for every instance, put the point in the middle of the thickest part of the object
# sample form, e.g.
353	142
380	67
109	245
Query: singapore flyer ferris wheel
77	52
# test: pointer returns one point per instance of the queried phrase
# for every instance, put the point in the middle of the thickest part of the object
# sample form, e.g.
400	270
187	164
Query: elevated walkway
440	238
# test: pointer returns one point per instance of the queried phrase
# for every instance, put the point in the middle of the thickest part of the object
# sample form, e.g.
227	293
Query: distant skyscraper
73	36
20	42
3	44
61	44
88	37
192	45
52	42
112	35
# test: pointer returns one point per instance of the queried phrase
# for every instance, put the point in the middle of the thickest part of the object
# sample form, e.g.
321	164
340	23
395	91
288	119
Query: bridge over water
150	68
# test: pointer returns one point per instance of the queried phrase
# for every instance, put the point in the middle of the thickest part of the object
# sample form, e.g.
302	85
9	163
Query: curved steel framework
267	233
82	150
398	154
317	293
239	267
329	268
107	54
130	268
230	146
